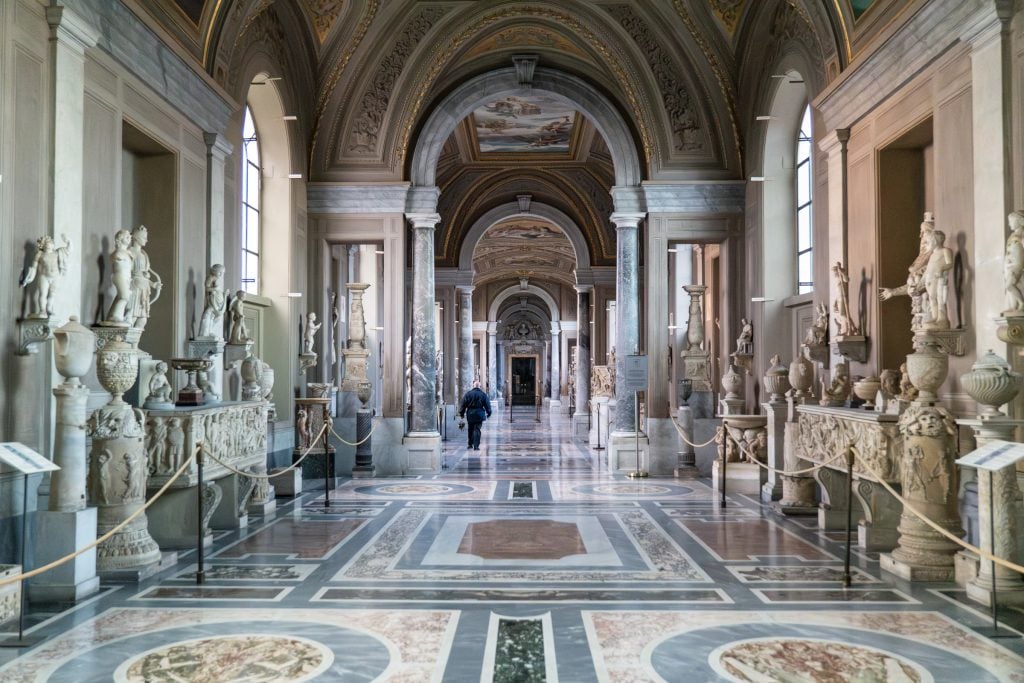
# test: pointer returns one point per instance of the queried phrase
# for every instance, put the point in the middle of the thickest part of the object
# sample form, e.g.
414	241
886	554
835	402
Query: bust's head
141	235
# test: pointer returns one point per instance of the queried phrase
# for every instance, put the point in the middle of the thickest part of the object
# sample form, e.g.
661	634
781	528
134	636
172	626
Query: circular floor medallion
250	657
416	489
631	488
809	659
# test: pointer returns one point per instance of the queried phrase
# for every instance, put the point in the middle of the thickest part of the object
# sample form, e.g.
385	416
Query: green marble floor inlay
520	652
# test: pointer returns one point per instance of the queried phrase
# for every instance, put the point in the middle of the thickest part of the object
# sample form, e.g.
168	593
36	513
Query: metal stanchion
599	447
637	473
200	571
725	449
327	461
847	580
537	400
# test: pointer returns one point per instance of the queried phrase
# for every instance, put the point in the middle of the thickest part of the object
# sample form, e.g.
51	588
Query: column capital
217	145
70	28
624	220
556	328
492	328
583	289
834	141
465	290
423	220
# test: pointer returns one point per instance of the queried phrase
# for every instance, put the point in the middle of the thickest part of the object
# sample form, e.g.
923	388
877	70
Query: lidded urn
73	347
992	384
776	380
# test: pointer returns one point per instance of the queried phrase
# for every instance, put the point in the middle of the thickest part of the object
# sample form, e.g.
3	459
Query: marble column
581	418
683	263
492	361
1009	586
499	362
369	272
424	396
556	364
466	365
627	313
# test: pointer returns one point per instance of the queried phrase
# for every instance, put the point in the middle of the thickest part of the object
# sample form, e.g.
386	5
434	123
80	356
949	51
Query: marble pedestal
798	491
687	463
732	406
231	380
622	452
58	534
740	477
423	452
776	412
289	484
173	524
10	595
319	459
598	419
364	467
232	513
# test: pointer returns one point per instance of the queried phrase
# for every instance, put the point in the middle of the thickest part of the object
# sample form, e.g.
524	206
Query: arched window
250	206
804	216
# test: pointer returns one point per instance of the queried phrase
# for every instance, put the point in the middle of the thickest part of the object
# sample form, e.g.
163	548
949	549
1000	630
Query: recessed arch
519	290
568	89
537	211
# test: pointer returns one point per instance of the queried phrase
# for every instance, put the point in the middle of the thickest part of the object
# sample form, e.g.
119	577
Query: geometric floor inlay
298	539
749	539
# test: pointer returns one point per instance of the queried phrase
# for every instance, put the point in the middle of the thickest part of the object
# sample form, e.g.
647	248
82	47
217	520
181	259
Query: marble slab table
822	432
233	431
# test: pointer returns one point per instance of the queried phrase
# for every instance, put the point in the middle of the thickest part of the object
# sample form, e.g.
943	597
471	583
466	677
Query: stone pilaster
424	396
492	360
217	148
776	412
581	418
797	491
556	364
466	365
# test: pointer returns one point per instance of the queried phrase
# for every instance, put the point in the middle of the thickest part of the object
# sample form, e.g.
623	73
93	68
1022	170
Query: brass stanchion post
200	571
847	580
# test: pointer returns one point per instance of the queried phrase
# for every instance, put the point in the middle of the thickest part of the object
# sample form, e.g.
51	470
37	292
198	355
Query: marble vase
801	378
991	383
118	466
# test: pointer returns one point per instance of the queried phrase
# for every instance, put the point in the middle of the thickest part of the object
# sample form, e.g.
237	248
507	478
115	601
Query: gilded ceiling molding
439	61
323	14
208	37
845	30
728	12
339	68
725	83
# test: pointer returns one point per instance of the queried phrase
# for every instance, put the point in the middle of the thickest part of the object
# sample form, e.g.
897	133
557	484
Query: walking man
476	408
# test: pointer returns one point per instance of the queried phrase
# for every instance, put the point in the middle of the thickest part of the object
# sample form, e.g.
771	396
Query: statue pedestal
776	412
33	332
740	477
59	534
289	484
851	347
424	452
234	354
598	420
622	452
317	460
364	467
173	517
732	406
697	369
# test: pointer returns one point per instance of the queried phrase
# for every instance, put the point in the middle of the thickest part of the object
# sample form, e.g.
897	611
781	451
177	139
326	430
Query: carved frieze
824	432
236	433
602	381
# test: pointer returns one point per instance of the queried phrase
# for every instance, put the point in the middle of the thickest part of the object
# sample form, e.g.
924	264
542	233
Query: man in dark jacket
476	408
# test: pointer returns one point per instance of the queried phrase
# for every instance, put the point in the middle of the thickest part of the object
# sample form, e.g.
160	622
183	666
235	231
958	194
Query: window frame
804	208
249	253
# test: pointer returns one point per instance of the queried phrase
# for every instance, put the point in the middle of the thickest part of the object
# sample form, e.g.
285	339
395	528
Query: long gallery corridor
523	561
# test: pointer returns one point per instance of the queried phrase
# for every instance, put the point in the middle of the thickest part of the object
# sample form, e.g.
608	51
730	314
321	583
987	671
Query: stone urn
363	391
267	381
992	384
866	389
776	380
73	349
250	371
117	368
732	382
801	377
685	390
927	368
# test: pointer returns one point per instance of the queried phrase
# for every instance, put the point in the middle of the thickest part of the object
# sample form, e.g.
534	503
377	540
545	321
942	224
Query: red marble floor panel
522	539
746	539
303	539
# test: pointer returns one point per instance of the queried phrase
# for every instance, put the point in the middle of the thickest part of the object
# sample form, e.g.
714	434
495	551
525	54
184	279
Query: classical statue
309	335
841	306
908	392
146	284
302	429
408	371
915	286
745	342
936	283
238	333
890	383
159	387
48	266
836	393
817	334
1013	265
211	325
121	277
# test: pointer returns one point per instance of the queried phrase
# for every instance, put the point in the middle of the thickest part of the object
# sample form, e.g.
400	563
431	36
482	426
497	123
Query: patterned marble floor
524	561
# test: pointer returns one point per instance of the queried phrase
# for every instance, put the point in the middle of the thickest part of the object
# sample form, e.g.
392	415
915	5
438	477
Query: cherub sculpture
238	334
159	387
121	261
309	335
1013	265
48	266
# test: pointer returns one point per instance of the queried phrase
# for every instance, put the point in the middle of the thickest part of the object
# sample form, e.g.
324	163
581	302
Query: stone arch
570	90
537	210
534	310
518	290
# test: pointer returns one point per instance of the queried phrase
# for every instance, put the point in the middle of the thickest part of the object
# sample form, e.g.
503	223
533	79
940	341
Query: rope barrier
682	435
784	473
255	475
361	441
985	555
67	558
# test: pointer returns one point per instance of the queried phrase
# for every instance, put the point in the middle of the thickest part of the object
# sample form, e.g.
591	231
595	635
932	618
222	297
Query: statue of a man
936	283
309	335
238	334
49	264
841	306
211	324
1013	265
121	260
915	287
745	342
146	284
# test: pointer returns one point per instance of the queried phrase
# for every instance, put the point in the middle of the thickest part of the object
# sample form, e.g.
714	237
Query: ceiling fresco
519	125
524	247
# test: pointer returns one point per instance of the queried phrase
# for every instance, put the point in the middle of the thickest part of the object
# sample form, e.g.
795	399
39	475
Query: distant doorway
524	380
